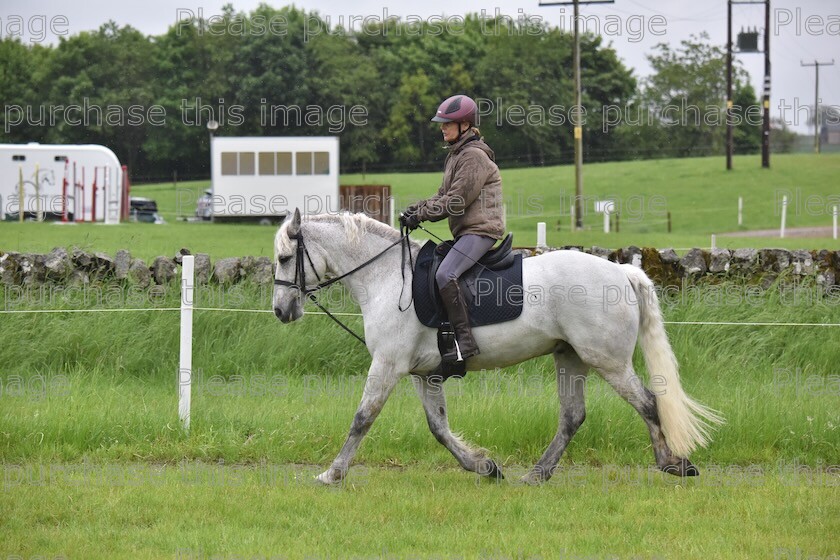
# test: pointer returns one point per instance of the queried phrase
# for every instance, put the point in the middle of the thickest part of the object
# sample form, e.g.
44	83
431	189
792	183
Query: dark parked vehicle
144	210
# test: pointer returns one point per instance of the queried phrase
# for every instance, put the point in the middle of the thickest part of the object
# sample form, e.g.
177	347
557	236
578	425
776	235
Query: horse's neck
343	255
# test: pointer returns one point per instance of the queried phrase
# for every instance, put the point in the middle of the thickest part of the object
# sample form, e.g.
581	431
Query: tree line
289	72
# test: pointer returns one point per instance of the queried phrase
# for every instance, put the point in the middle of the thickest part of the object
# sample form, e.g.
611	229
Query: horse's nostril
278	313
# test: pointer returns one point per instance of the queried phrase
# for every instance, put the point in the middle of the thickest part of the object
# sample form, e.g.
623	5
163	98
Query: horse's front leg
381	380
434	403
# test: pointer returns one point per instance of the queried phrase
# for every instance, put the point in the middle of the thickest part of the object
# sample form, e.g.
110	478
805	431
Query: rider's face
450	131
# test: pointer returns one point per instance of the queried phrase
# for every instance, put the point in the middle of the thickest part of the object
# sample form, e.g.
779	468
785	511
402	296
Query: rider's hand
410	218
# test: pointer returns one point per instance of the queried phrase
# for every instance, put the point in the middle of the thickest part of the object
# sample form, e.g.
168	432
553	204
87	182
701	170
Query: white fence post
740	210
392	212
541	234
784	216
834	222
185	366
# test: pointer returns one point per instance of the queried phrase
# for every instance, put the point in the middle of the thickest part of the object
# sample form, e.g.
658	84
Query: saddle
492	287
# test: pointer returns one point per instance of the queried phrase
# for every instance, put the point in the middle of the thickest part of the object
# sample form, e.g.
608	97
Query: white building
266	177
77	182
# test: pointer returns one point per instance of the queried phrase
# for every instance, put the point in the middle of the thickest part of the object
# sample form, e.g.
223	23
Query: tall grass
103	386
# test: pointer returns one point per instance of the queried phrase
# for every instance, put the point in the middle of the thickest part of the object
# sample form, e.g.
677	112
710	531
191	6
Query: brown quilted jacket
471	192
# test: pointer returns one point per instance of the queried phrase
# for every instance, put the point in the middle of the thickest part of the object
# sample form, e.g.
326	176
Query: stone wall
664	266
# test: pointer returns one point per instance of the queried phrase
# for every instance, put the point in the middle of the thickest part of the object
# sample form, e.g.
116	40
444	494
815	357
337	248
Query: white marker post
605	207
714	242
834	222
392	212
740	210
185	367
541	234
784	215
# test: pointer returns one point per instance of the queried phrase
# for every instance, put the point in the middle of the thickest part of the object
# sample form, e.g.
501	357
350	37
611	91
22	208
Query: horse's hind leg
627	384
571	384
434	403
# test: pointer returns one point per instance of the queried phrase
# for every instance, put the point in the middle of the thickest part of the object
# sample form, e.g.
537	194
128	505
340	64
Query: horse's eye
284	260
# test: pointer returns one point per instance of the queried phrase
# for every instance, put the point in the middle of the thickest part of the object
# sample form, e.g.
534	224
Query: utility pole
816	66
729	142
765	136
577	120
747	46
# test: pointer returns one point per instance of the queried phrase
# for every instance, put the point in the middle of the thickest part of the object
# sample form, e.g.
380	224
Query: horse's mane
356	227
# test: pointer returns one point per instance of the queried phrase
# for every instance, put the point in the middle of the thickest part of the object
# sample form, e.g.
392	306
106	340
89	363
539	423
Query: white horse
584	310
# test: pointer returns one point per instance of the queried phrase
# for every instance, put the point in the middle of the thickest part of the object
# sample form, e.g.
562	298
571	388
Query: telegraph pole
577	121
729	142
816	66
765	137
748	47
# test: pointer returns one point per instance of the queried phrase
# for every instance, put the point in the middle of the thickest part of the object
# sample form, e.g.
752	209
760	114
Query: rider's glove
410	218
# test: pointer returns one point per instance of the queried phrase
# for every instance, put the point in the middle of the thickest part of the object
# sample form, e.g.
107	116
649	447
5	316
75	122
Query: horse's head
296	268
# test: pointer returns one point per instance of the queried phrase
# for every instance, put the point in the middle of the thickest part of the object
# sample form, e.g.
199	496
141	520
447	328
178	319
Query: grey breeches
467	250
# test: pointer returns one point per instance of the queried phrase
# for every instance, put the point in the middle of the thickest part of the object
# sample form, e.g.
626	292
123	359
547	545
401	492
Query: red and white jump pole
93	194
126	193
64	192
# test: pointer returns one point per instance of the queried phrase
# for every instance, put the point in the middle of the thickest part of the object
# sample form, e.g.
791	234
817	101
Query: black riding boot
456	310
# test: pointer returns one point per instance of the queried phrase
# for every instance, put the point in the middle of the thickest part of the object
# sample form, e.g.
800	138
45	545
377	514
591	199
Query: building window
246	163
60	158
18	157
303	163
267	163
238	163
275	163
229	166
321	163
284	163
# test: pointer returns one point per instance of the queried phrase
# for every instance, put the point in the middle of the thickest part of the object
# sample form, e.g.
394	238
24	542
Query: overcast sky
806	30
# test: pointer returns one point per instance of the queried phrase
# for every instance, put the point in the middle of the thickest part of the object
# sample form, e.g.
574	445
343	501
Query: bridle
300	269
300	274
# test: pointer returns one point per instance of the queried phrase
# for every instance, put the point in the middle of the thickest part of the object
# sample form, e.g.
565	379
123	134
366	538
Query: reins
300	275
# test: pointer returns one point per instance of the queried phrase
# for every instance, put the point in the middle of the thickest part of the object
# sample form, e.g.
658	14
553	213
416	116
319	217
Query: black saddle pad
493	296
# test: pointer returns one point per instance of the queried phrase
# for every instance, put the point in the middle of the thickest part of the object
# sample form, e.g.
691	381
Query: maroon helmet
458	108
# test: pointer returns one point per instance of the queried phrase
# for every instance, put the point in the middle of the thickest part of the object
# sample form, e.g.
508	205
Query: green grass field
95	465
91	445
259	512
700	194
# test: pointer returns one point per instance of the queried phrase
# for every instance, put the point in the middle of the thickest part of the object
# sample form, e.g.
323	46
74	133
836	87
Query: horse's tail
685	422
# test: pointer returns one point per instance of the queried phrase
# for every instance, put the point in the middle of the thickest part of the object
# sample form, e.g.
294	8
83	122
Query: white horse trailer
81	183
262	178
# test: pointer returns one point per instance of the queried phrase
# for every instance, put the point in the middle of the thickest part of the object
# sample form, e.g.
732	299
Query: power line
702	16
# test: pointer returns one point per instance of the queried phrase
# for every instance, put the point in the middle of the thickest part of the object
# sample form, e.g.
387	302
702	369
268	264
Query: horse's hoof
683	468
532	479
491	470
329	477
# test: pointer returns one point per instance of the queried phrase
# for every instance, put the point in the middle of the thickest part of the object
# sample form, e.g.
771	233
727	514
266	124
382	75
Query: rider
471	197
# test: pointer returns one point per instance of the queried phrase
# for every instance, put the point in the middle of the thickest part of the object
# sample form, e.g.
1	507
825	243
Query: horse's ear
294	227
